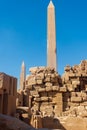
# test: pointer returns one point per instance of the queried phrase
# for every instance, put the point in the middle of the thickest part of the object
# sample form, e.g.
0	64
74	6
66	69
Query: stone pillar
51	37
22	77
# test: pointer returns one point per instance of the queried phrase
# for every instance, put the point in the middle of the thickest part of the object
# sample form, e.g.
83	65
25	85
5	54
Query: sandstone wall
8	91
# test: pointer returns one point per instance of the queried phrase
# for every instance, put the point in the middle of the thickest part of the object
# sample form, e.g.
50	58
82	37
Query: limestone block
83	94
67	68
76	99
29	87
33	70
36	87
70	87
57	98
33	93
78	94
49	88
39	76
39	81
35	107
47	79
54	80
36	96
48	84
41	69
81	108
55	88
63	89
73	94
84	74
50	99
78	74
44	98
37	99
42	90
58	110
83	104
32	81
65	77
53	75
73	104
83	114
84	98
76	82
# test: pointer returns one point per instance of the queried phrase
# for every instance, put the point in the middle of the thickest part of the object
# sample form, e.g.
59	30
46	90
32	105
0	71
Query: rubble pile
75	81
45	92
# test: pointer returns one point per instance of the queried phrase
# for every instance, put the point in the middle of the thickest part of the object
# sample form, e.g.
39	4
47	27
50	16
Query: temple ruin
8	92
47	94
45	99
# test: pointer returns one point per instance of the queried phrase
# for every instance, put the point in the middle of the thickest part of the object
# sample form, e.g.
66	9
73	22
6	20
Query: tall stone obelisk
22	76
51	36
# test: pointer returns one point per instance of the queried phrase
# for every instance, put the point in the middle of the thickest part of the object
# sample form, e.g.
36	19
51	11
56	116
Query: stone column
51	37
22	76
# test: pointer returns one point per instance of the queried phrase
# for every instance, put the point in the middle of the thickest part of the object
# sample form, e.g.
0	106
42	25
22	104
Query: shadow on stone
52	123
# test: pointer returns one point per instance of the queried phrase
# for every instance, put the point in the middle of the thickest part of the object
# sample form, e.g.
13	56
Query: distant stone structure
22	76
51	37
8	91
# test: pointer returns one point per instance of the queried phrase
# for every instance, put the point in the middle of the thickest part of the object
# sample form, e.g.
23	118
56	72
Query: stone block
44	98
76	82
39	81
37	99
70	87
76	99
30	87
48	88
63	89
54	80
33	93
67	68
42	90
32	81
73	94
55	88
48	84
83	104
39	76
47	79
33	70
50	99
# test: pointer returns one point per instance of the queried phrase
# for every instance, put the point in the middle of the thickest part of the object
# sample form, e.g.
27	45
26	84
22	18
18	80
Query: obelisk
51	36
22	76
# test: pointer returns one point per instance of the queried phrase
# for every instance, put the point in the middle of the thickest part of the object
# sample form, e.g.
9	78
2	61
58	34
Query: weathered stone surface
8	94
53	95
73	123
76	99
63	89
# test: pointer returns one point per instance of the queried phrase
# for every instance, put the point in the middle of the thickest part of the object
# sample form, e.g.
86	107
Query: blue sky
23	33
